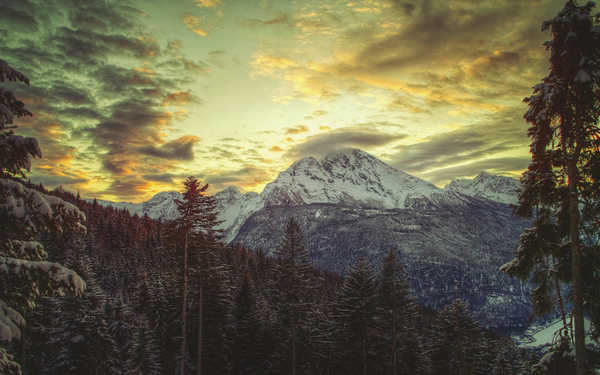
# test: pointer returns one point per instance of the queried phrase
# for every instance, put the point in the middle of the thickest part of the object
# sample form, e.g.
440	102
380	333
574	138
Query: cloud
162	177
298	129
428	56
281	19
208	3
507	166
276	149
128	188
471	143
53	181
247	177
17	18
194	23
98	86
179	98
343	138
315	114
178	149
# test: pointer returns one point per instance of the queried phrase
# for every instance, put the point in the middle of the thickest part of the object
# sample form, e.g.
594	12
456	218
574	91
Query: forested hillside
261	315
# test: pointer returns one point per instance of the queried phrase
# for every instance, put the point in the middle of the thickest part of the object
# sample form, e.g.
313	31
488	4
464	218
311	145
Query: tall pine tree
562	178
292	285
356	324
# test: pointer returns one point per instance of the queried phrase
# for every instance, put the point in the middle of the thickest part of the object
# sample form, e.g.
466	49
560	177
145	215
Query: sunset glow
130	97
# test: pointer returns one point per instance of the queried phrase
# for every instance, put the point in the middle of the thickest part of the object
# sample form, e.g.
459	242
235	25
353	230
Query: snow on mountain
496	188
352	177
234	208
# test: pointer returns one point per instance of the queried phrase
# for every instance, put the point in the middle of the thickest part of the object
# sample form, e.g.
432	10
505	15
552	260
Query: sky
131	96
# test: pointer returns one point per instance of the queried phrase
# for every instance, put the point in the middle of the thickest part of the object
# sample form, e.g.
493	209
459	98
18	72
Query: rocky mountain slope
450	251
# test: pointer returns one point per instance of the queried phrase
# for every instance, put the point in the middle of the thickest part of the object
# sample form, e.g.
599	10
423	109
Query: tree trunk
364	355
576	268
184	304
294	349
200	319
561	305
394	344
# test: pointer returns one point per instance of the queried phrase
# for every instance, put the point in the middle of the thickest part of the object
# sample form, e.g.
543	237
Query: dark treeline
258	315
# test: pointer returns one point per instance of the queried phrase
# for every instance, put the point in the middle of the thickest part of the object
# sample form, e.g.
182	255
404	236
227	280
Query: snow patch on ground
542	335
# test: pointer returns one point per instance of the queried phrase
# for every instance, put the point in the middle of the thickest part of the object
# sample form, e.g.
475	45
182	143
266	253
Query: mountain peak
351	177
348	152
489	186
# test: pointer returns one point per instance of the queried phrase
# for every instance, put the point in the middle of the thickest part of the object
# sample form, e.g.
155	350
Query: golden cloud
208	3
298	129
194	23
177	98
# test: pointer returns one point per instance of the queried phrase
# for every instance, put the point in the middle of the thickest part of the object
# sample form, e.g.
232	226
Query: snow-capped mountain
234	208
160	206
496	188
352	177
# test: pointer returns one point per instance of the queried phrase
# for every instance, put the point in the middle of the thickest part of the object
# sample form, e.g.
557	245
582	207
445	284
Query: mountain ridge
351	177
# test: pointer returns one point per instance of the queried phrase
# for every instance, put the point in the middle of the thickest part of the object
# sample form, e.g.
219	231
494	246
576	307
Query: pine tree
292	284
355	321
25	213
455	348
563	175
196	225
245	329
398	315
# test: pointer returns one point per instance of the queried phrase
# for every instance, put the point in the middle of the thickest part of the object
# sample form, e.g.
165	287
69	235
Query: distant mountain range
351	204
351	178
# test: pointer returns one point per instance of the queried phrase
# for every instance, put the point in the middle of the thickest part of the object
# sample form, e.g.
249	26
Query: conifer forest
132	245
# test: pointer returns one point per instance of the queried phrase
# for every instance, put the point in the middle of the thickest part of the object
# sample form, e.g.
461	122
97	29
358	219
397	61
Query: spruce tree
398	316
25	214
292	292
356	323
197	228
562	179
455	348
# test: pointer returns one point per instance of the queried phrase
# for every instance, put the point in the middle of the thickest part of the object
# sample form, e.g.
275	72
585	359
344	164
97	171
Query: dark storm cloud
10	17
323	144
469	143
178	149
128	188
431	35
131	122
101	81
92	48
57	180
161	177
95	15
117	79
80	113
